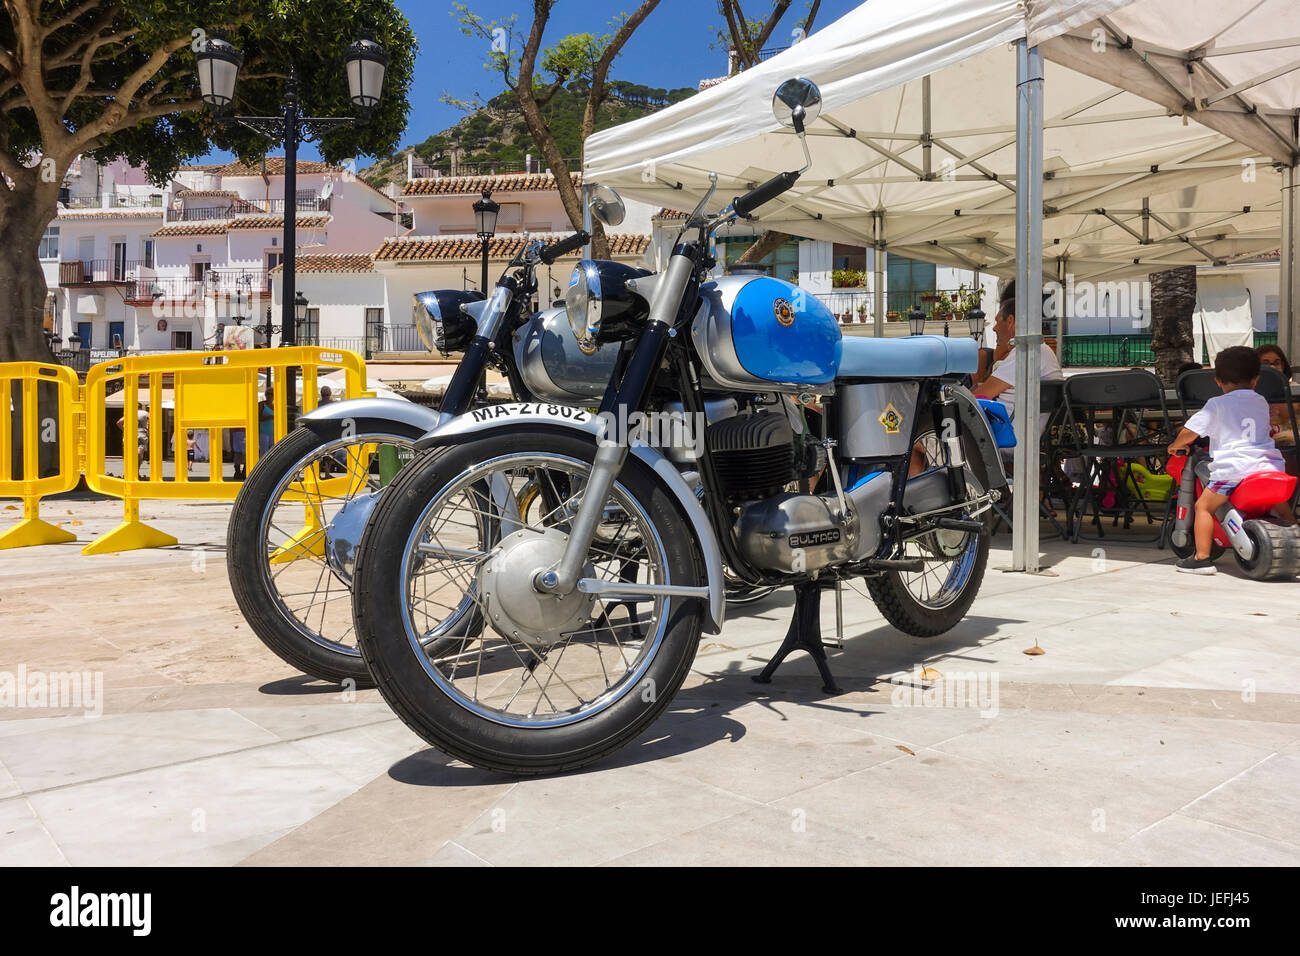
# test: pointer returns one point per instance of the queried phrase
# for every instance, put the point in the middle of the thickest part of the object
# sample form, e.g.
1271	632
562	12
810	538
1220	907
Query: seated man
996	377
1000	381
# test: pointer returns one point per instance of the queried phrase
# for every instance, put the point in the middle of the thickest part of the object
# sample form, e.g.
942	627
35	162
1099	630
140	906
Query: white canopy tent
1165	135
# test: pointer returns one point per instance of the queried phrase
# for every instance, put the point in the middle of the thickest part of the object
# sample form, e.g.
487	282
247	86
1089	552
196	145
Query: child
1237	425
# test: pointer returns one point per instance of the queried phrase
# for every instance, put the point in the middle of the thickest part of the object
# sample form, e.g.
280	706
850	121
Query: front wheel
291	540
552	682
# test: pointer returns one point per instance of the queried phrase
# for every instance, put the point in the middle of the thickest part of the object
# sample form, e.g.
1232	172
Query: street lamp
485	225
299	310
975	319
218	63
916	321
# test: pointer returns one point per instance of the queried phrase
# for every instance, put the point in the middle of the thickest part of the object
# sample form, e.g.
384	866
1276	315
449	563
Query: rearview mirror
606	206
796	103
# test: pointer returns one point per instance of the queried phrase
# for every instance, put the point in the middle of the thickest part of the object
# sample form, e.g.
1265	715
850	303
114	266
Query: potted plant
862	312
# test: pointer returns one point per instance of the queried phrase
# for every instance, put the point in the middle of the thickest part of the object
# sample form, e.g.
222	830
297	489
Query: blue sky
671	49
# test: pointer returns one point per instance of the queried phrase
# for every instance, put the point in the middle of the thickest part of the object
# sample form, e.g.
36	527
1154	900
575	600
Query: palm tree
1173	300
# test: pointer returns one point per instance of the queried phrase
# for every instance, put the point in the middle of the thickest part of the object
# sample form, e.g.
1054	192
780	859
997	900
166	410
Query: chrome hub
513	604
343	533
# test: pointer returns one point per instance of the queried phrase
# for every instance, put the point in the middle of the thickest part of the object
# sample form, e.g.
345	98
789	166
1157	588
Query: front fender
416	419
976	425
481	421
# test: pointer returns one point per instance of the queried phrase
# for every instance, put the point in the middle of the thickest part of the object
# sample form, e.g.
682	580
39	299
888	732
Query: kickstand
805	634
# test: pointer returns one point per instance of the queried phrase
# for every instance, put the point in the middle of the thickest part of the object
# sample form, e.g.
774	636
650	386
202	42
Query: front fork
947	421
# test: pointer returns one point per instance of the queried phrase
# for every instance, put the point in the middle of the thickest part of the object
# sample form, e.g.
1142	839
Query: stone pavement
1160	726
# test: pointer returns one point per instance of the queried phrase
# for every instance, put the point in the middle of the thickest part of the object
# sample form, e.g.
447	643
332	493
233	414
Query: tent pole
1289	284
878	231
1062	315
1029	303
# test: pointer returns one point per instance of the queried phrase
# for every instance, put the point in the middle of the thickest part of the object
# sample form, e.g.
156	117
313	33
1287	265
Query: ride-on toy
1264	547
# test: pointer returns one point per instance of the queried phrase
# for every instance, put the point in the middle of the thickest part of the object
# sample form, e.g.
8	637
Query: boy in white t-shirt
1236	423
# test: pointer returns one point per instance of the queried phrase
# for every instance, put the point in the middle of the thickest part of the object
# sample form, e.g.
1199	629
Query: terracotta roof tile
274	167
330	262
199	227
81	215
277	222
425	248
473	185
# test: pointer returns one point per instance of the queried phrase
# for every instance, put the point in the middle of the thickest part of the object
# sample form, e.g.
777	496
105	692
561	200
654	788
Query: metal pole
1289	285
484	279
1029	303
586	219
288	314
878	235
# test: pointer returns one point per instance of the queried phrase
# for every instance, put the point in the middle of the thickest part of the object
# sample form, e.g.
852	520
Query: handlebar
564	246
763	193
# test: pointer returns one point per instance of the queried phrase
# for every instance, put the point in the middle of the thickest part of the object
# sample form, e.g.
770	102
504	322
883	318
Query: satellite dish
327	190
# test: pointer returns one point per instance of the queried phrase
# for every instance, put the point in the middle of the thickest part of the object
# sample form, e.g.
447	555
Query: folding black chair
1131	404
1051	403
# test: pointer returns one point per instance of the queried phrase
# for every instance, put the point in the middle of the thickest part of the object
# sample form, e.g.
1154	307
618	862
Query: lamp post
975	320
300	314
218	63
485	225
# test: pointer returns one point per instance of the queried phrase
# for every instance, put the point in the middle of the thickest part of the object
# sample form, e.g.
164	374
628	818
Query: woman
1279	416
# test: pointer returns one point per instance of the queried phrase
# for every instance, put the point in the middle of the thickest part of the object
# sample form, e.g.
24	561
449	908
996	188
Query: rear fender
483	421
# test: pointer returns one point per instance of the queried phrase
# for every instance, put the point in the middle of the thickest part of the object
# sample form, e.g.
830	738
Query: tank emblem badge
891	419
784	312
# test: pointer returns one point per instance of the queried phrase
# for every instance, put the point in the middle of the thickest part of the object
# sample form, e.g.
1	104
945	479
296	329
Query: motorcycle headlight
600	306
440	322
582	302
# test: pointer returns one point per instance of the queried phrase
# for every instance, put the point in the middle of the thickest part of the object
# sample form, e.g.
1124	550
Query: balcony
248	283
426	171
97	271
112	201
307	202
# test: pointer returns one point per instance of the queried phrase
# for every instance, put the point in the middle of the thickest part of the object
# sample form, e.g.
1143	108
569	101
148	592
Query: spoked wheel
292	543
933	600
552	682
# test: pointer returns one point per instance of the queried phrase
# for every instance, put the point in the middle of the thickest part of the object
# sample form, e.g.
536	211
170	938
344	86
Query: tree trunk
1173	300
763	246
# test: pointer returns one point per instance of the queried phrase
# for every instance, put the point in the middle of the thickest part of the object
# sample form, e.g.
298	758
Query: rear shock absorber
948	423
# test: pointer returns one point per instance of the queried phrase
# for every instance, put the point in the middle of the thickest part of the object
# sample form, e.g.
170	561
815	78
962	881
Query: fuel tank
759	333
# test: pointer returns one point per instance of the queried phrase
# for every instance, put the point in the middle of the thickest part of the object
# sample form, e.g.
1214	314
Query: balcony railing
228	282
91	271
435	171
113	201
250	207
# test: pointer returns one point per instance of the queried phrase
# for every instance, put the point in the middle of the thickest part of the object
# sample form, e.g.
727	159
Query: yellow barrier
208	395
59	431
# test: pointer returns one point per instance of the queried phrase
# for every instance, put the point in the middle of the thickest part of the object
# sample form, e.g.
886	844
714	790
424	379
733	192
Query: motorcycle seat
914	356
1258	493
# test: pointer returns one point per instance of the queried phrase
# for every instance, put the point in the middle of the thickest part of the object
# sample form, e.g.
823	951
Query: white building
139	267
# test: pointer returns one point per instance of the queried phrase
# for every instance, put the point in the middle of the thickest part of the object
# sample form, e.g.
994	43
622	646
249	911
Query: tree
579	57
1173	301
747	39
115	79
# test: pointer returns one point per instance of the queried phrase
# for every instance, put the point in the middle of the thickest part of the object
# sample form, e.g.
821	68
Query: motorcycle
297	519
698	458
1263	546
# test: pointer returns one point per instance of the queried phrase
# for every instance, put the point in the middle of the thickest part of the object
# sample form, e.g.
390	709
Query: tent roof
915	144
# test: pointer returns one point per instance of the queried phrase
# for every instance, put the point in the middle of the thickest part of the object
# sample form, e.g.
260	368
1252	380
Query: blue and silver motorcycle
699	459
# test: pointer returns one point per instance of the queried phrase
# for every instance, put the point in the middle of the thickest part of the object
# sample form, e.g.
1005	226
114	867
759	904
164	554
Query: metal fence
1123	351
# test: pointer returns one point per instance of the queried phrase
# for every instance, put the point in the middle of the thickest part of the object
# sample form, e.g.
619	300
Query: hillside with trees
495	133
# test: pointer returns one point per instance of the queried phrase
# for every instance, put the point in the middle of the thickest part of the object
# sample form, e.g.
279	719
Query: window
374	331
182	340
50	243
309	328
907	281
783	263
146	254
200	270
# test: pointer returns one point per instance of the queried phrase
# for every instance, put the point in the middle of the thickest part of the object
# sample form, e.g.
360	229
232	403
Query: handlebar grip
557	249
763	193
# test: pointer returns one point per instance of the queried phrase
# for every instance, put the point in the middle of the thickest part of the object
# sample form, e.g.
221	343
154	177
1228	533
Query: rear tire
1277	550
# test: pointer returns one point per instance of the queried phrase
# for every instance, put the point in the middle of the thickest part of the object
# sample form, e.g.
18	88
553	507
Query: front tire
275	565
572	720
